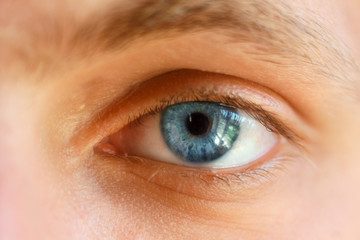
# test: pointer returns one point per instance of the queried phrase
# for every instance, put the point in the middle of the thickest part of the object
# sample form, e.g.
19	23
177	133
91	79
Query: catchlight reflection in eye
200	132
214	135
197	134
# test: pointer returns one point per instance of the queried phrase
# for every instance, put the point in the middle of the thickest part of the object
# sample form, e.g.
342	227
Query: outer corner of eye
198	134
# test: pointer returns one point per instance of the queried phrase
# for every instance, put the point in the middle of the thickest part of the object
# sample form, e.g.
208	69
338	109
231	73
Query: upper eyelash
256	111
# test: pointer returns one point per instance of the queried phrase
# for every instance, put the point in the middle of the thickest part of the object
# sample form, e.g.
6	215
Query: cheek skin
26	187
299	204
156	211
153	208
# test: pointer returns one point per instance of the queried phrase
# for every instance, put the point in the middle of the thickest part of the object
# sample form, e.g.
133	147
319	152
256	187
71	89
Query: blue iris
200	132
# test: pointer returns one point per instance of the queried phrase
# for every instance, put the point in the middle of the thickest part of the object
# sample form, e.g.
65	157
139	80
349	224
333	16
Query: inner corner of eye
112	144
105	147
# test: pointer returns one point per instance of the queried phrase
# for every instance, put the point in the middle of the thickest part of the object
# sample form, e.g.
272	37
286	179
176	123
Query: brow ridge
273	28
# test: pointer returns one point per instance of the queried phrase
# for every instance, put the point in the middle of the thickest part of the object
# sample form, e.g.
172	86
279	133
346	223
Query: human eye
186	126
198	134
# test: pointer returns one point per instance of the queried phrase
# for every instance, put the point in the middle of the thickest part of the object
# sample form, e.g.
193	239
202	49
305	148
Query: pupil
197	124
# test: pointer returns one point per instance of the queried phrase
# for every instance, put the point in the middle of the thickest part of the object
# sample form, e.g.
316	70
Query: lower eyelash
251	176
245	183
245	177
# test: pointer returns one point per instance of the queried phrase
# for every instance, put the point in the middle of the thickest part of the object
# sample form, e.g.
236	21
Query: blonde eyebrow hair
272	27
274	31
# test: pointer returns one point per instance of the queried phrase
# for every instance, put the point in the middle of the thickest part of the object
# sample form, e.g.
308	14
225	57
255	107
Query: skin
54	185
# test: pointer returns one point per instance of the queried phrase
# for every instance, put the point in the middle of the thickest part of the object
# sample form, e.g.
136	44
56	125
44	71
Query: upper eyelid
121	111
252	109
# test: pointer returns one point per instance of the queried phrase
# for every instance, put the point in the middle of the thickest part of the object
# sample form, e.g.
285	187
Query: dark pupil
197	123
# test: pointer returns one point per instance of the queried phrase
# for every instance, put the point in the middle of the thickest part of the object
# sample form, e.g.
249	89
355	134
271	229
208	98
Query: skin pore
74	73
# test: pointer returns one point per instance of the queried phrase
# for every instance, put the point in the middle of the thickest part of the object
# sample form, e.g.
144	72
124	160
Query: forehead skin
47	49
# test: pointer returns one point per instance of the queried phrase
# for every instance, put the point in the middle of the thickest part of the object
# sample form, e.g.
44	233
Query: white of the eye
253	142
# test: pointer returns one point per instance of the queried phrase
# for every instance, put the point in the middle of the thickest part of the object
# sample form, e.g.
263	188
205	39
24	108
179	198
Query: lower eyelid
232	185
209	184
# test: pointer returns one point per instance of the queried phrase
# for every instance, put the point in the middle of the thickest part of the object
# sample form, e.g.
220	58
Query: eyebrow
273	28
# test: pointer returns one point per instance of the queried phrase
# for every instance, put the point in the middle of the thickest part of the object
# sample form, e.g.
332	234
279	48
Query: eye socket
198	134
